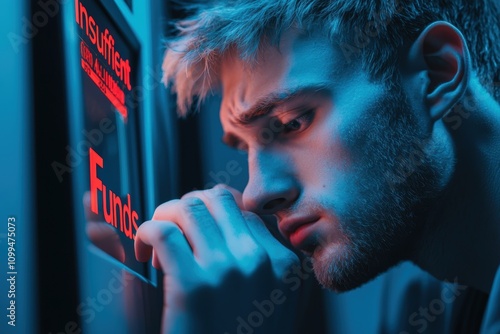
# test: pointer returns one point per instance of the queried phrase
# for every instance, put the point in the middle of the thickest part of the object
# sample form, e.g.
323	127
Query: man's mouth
300	231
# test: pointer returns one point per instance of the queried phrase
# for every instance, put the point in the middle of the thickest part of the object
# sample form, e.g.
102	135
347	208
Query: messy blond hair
370	30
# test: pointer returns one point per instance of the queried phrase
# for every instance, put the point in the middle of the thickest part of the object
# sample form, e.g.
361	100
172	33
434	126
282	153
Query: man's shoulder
491	320
405	299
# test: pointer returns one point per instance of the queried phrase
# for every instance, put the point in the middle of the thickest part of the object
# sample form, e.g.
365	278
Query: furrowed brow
267	104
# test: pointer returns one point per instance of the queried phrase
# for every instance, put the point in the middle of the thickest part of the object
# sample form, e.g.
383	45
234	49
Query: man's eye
300	123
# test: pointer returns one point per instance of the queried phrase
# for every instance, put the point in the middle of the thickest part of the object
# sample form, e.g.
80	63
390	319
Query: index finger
169	244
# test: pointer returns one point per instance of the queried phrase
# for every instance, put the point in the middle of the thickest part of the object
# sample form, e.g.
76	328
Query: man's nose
271	186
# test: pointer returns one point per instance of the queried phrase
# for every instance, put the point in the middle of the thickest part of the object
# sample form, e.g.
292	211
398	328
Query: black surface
56	252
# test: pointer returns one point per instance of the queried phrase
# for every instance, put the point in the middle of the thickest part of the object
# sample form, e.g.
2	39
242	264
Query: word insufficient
105	43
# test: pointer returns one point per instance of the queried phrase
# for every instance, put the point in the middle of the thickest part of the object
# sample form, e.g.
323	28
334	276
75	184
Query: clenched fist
224	272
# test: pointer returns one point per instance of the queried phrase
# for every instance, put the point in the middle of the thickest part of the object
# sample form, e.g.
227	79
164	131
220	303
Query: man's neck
463	238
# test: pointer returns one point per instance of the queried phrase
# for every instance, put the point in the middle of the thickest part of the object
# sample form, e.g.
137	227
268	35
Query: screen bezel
76	123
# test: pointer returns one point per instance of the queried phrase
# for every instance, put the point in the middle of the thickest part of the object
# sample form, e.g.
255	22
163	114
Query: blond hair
370	30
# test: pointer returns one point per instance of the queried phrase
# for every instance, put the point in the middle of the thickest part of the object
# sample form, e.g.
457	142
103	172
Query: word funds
113	208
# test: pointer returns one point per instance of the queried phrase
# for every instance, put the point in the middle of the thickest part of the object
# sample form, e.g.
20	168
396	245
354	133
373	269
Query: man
372	134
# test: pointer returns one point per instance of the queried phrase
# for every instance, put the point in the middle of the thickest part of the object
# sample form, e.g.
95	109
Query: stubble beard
383	227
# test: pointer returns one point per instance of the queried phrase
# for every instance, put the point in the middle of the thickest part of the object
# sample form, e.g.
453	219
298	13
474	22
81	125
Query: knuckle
193	208
260	257
288	261
221	193
194	193
247	247
221	265
163	208
222	258
231	275
167	232
258	261
248	215
192	204
224	277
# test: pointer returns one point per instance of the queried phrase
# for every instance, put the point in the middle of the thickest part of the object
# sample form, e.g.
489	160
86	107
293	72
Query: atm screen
114	202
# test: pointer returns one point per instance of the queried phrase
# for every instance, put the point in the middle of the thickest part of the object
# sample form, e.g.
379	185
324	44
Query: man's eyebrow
265	105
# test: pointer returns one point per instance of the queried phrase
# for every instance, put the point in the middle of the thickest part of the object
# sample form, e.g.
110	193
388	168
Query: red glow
95	183
104	88
112	204
105	43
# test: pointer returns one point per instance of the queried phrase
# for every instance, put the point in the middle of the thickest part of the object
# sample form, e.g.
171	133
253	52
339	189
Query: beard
398	176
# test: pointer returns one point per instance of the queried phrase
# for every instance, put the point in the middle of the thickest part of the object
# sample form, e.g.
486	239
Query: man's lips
298	230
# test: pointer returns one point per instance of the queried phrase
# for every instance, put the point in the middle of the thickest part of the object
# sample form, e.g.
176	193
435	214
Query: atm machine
93	151
93	146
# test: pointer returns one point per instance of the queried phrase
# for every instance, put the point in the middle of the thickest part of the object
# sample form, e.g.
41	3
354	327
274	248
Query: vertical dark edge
55	231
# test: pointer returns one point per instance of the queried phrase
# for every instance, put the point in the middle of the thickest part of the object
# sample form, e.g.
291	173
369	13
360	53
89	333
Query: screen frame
76	121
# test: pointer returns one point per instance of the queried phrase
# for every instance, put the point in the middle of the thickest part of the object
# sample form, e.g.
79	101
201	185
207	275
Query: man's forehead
313	44
300	60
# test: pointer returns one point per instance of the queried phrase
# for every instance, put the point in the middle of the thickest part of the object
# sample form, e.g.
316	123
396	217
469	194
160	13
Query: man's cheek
341	194
331	155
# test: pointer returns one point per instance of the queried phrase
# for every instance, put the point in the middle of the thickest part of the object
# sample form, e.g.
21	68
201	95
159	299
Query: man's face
327	150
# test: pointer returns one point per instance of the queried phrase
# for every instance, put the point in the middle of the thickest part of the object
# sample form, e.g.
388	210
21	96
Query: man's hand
223	270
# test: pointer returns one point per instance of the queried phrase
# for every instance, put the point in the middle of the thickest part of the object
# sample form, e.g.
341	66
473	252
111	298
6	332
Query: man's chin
338	271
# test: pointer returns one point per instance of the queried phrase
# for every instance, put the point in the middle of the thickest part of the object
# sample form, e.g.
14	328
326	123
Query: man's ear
442	53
